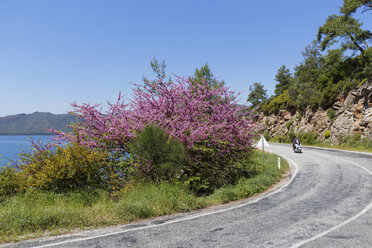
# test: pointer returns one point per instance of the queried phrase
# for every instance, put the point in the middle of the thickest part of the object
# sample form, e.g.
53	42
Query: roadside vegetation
36	212
179	145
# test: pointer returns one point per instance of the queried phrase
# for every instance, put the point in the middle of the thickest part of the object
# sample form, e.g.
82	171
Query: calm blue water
12	145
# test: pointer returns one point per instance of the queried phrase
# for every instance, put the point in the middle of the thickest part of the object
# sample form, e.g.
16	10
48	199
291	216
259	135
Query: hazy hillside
35	123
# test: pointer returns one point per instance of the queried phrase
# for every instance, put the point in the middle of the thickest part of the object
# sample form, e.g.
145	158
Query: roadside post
261	144
263	151
279	163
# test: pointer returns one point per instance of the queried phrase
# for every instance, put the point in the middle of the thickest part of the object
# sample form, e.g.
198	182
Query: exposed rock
337	105
353	115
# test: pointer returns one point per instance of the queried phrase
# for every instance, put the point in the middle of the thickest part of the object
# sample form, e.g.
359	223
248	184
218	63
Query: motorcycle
297	148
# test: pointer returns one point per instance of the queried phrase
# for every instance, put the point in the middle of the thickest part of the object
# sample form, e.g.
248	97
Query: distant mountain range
35	123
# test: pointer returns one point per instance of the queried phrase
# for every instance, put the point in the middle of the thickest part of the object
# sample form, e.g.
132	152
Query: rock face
352	115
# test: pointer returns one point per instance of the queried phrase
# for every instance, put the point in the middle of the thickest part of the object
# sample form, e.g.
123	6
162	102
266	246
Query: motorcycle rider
295	141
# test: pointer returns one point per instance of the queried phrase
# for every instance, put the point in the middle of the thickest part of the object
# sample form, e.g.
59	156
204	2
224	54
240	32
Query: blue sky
54	52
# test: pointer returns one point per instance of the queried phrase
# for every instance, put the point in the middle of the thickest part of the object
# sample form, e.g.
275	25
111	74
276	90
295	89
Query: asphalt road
325	202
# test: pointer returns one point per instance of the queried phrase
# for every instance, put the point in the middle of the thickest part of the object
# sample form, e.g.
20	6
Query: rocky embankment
351	115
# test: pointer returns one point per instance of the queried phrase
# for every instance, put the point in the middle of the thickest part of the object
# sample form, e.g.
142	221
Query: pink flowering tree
213	128
112	129
207	120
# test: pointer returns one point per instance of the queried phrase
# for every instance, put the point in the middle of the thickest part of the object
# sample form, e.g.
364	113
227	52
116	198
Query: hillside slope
35	123
351	115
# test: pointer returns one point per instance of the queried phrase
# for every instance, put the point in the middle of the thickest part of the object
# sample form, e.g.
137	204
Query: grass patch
348	147
36	212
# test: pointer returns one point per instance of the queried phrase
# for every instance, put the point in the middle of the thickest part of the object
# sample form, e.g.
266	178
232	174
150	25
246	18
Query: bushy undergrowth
159	156
35	212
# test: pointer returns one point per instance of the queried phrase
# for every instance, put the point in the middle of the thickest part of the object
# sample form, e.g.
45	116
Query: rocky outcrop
352	115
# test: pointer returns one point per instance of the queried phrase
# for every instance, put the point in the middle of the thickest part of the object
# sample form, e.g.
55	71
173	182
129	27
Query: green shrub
280	138
328	95
348	85
327	134
288	124
160	156
331	114
212	171
267	136
277	103
291	134
307	138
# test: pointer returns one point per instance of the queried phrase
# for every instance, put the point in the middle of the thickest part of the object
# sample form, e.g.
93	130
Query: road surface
325	202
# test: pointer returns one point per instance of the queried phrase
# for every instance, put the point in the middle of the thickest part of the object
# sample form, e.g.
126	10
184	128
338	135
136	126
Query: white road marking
179	220
347	221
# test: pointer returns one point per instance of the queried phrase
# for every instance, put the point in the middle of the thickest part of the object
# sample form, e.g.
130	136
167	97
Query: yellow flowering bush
70	167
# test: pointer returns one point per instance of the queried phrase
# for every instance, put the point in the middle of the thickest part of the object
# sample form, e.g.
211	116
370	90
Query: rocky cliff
349	115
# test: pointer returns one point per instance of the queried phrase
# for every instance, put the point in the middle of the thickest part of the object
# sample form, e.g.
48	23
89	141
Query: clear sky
54	52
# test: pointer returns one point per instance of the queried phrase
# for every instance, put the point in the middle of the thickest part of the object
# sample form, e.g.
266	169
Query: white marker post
279	163
261	144
263	151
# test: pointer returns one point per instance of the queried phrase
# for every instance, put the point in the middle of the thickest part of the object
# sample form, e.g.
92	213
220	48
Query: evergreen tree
257	94
158	68
205	74
350	6
283	77
345	29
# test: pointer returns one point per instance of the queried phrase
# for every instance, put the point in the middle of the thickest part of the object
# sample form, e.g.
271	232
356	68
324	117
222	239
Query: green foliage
283	77
331	114
257	94
205	74
321	77
158	68
277	103
159	155
308	138
291	134
267	136
288	124
344	28
327	134
280	138
348	85
213	171
353	140
329	94
350	6
35	212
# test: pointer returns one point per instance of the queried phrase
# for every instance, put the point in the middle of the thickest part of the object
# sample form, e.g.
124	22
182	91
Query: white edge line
179	220
347	221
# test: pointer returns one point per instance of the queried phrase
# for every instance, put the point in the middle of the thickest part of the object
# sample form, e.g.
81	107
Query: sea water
12	145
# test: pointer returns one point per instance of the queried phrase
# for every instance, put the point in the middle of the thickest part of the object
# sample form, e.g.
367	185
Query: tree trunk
356	44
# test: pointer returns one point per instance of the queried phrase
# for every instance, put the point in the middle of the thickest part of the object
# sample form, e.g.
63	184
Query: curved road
326	202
